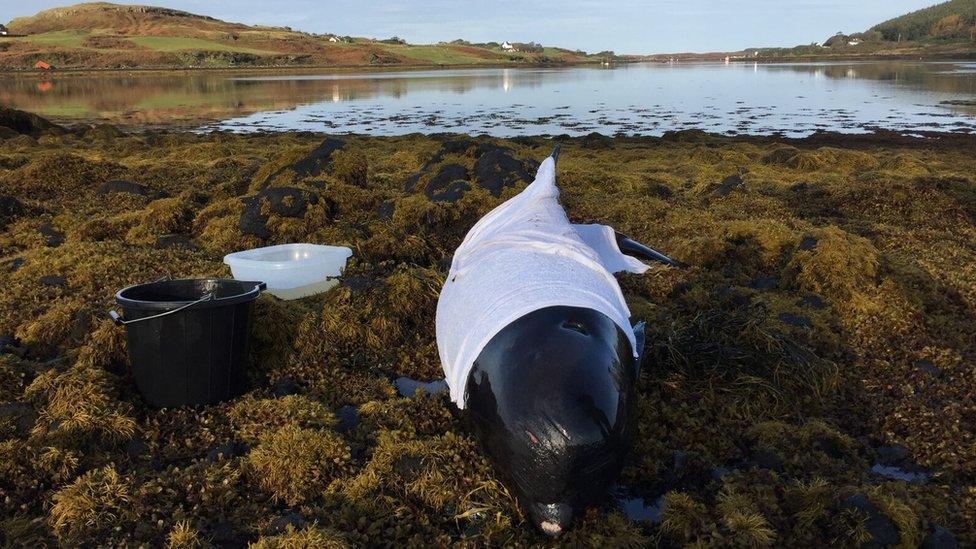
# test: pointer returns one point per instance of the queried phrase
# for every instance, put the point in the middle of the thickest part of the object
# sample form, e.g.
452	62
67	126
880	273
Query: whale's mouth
551	528
552	518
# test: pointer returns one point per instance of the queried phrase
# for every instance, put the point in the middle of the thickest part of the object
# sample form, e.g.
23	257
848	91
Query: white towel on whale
523	256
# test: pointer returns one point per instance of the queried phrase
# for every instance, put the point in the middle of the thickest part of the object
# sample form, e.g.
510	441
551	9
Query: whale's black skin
550	398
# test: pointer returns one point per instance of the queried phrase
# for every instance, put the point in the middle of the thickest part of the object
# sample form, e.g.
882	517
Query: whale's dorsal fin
636	249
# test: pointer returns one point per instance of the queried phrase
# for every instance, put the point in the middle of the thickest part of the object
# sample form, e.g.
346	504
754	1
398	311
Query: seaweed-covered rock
450	184
939	538
10	209
729	184
282	201
52	237
597	141
314	163
26	123
122	186
883	530
175	240
496	169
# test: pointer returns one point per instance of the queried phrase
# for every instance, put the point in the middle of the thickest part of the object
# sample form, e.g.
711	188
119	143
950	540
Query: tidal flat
809	377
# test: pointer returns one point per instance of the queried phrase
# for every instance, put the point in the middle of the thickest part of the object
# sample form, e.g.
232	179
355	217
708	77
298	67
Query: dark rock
496	169
450	184
808	243
229	450
22	413
136	448
765	283
26	123
892	454
928	367
883	531
348	418
124	187
679	289
10	209
283	201
829	446
226	535
687	472
781	155
812	301
795	320
386	210
768	459
11	345
729	184
596	141
659	190
456	146
319	159
8	340
284	387
52	237
293	519
54	280
14	264
164	241
103	131
406	466
407	387
315	163
718	473
939	538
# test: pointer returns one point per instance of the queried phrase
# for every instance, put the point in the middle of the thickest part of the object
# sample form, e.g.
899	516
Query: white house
3	30
854	42
507	47
333	39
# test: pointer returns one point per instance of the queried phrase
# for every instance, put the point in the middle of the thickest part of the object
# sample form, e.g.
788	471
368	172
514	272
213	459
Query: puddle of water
896	473
639	510
407	387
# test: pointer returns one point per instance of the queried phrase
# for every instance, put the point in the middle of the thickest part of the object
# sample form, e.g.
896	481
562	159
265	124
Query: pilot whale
536	343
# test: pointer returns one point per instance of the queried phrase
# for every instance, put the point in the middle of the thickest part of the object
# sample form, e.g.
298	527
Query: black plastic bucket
188	339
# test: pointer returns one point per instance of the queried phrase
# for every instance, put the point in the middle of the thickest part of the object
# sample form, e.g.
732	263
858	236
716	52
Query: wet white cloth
523	256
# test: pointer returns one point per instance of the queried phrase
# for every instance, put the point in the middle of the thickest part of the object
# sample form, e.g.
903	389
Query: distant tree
394	40
950	26
528	47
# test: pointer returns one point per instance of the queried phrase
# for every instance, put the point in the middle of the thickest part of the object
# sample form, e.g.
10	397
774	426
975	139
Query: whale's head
550	398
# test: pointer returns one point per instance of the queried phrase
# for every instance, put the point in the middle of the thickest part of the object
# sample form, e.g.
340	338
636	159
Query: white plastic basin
291	270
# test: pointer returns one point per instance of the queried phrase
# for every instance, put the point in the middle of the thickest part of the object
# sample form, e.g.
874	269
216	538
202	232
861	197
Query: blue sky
625	26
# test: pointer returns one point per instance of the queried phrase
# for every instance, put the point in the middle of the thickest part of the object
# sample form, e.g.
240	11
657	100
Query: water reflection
795	99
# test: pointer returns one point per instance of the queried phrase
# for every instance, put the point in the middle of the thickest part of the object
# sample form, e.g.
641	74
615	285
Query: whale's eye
575	326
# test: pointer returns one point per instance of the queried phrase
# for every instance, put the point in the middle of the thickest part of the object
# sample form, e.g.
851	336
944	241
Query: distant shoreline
626	60
80	71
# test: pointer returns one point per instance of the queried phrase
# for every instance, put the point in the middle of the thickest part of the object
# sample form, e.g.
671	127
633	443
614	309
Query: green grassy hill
955	19
105	35
946	30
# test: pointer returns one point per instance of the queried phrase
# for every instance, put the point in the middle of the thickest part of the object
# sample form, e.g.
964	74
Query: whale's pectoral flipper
639	348
640	251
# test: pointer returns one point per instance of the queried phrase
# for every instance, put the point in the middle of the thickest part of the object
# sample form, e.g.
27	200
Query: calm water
646	99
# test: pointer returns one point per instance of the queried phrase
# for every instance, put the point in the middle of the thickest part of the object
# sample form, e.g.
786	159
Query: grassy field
819	344
179	43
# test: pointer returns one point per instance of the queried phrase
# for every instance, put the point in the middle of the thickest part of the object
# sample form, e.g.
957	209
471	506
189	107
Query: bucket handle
117	318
